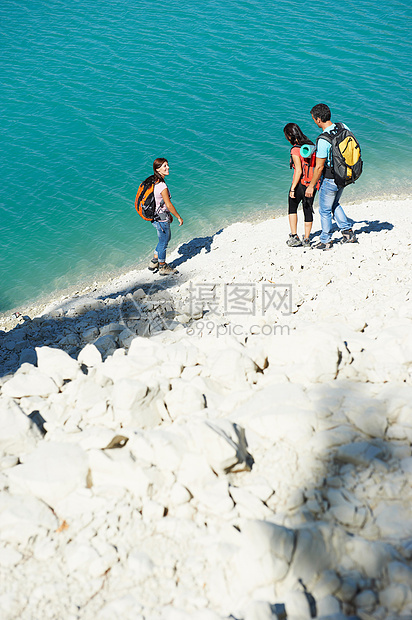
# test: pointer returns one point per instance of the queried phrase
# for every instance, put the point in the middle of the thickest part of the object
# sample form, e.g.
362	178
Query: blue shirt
324	146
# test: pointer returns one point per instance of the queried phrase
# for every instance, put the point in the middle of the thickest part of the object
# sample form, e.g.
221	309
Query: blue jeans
329	207
163	234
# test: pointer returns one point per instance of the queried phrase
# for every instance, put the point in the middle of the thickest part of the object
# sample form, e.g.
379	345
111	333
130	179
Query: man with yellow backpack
338	160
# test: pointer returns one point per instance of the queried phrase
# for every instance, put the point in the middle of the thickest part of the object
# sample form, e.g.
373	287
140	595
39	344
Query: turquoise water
92	91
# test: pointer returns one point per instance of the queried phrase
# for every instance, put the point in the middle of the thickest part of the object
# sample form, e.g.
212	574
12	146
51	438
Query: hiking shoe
153	265
348	236
322	246
293	241
306	243
166	270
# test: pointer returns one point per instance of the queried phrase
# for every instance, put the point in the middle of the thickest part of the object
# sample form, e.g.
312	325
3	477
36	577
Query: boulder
18	433
32	383
23	517
57	364
106	345
51	471
265	554
90	356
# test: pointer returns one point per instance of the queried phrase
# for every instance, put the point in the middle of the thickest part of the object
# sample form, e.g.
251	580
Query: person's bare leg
293	223
308	228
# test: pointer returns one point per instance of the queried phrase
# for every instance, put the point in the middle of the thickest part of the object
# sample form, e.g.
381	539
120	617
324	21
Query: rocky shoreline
233	441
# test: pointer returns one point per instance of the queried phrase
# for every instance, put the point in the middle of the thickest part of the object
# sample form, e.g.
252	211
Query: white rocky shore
232	442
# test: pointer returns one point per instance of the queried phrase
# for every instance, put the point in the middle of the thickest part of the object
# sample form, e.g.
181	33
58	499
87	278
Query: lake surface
92	92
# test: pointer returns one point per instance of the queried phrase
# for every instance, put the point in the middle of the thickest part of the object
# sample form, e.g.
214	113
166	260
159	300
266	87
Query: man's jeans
329	207
163	234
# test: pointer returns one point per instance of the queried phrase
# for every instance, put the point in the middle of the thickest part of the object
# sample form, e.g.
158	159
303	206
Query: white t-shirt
162	213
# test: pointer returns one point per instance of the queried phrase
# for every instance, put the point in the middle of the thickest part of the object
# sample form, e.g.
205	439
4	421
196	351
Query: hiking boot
306	242
348	236
153	265
166	270
323	246
293	241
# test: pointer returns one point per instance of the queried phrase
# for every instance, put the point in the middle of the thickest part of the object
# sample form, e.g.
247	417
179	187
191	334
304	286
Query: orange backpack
308	167
145	201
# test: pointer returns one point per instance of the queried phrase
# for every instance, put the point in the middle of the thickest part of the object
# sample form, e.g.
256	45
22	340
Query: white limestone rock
90	356
117	468
277	412
125	338
224	445
258	610
265	554
328	583
183	353
248	505
57	364
140	564
145	352
84	559
19	434
163	448
392	519
369	415
89	398
90	334
183	399
179	495
9	557
400	573
329	606
231	368
194	472
30	383
366	601
51	471
23	517
310	355
324	441
214	496
311	555
346	508
107	345
297	605
127	399
371	556
395	597
360	453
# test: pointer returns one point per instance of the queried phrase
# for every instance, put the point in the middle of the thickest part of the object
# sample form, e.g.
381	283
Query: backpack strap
291	158
324	136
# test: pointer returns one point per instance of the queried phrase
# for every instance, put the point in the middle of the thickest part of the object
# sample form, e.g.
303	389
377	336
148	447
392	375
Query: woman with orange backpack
162	217
302	174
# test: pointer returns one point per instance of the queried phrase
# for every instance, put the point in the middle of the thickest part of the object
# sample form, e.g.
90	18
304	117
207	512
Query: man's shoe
322	246
293	241
166	270
348	236
153	265
306	242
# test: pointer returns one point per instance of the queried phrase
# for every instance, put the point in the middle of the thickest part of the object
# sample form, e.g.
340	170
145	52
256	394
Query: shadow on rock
193	247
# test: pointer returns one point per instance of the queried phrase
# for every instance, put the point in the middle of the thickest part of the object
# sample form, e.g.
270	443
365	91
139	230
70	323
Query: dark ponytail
294	135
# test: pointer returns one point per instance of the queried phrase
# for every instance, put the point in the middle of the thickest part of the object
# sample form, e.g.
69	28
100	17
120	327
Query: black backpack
346	157
145	203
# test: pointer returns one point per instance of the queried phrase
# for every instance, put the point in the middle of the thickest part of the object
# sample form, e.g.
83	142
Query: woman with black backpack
163	217
302	170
